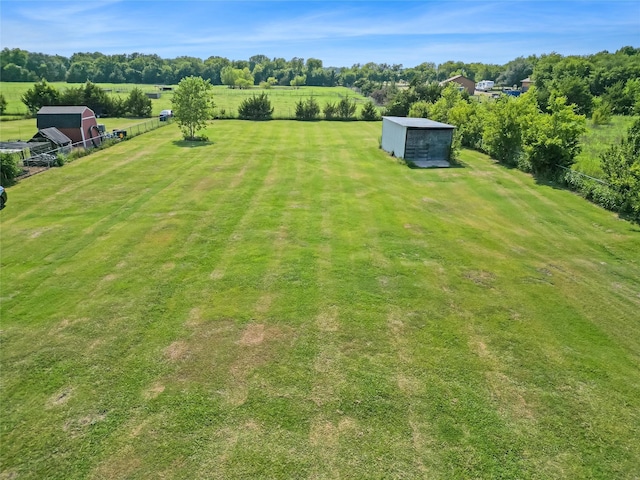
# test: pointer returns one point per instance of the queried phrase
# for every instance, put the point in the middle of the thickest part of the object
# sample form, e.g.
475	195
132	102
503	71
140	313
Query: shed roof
418	122
55	135
17	146
62	110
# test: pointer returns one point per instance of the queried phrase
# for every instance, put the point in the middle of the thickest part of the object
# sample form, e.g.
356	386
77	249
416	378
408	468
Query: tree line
596	73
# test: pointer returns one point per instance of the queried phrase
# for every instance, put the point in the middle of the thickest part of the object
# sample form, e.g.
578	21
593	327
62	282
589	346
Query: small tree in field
137	104
192	105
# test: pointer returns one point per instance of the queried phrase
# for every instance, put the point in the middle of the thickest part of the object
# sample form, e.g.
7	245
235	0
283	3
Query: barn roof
418	122
57	110
54	135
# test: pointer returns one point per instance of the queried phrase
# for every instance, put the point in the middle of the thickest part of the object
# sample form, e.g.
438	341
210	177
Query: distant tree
97	99
40	95
257	107
138	105
3	104
298	81
348	78
369	112
420	109
80	72
228	76
192	105
268	83
72	96
244	79
575	90
515	71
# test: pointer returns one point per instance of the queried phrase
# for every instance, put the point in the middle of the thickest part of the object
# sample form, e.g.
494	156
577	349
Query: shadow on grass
413	166
192	143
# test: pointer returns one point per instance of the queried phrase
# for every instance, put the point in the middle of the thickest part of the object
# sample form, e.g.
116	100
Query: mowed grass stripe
289	301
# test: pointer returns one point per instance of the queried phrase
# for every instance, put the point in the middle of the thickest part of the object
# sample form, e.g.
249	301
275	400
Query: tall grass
597	140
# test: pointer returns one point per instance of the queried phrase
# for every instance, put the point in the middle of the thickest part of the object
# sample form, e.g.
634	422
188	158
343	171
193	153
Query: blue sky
340	33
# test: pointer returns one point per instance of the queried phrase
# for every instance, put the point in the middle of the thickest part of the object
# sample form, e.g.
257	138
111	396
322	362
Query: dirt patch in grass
60	398
153	391
78	426
482	278
226	354
36	233
123	464
178	350
217	274
327	320
253	335
504	391
109	278
323	434
264	303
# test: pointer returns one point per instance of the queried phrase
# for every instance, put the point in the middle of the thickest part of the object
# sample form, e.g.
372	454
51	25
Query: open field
227	100
290	302
597	140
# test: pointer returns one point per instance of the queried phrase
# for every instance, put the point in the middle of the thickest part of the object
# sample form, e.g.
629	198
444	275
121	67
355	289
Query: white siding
393	137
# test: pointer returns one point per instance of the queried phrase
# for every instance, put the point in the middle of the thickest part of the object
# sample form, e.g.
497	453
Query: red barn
77	123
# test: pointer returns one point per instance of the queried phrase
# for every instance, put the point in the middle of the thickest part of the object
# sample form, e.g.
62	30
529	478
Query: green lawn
288	301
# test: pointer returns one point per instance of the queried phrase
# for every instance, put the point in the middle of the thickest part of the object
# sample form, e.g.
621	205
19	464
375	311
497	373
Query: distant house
526	84
419	141
76	122
464	82
50	139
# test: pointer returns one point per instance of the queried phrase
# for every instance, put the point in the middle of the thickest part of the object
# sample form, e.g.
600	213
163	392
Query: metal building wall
393	138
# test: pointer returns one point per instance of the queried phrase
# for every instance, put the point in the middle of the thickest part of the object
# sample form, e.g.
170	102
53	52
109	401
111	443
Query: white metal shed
420	141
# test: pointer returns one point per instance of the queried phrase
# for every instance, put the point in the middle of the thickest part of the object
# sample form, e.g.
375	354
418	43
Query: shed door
428	145
417	145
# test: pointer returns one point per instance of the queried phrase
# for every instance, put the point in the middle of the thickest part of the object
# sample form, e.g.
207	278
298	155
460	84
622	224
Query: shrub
9	169
330	111
369	112
258	107
307	109
346	109
602	114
